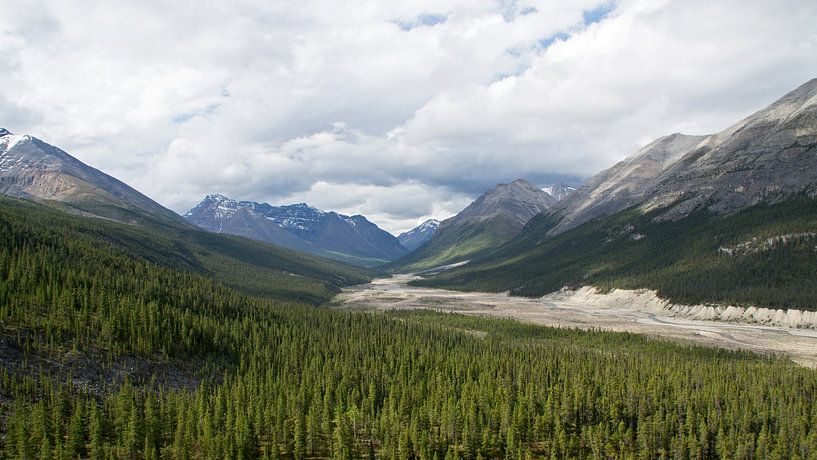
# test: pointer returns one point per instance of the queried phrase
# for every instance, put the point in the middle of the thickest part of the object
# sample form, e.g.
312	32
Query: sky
400	111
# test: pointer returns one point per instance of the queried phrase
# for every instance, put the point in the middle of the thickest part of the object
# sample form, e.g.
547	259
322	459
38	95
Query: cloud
399	111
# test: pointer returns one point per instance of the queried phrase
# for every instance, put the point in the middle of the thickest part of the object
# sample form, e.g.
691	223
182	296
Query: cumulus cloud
400	111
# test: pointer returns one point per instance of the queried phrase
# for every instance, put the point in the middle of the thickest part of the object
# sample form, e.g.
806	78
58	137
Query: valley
408	231
395	294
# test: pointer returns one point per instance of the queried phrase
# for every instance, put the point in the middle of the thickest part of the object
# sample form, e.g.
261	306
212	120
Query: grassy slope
679	259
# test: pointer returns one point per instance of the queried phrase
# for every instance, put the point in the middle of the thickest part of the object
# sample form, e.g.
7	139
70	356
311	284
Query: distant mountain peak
517	184
522	182
428	224
9	140
490	220
298	226
217	197
559	191
519	201
417	236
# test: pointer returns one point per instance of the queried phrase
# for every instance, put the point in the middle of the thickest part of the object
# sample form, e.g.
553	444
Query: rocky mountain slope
492	219
299	226
767	156
35	170
76	195
417	236
727	219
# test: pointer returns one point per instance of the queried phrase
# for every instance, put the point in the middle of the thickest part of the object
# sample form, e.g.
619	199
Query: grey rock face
767	156
35	170
516	202
417	236
297	226
220	214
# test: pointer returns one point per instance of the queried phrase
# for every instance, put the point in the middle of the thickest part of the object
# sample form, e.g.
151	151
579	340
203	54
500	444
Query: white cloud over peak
396	110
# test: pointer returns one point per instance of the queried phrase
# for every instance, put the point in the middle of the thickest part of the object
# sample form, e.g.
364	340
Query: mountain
70	197
104	354
301	227
220	214
729	218
492	219
35	170
559	191
417	236
766	157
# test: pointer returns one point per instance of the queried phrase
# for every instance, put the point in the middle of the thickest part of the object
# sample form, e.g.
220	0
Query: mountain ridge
726	219
490	220
33	169
767	155
299	226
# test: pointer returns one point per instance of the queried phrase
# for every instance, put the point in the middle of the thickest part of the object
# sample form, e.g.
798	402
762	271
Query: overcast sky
400	111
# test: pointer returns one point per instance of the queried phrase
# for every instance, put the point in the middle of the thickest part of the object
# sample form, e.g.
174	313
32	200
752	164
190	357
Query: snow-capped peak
218	203
430	224
559	191
216	197
305	207
9	139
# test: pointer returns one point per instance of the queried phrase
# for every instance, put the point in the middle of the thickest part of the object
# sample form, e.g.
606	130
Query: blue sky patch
187	116
598	13
427	20
545	42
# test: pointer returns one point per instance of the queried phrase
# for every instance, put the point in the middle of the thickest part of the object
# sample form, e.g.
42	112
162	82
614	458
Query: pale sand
567	311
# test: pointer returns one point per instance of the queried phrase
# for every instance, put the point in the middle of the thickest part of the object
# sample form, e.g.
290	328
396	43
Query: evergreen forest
123	342
762	256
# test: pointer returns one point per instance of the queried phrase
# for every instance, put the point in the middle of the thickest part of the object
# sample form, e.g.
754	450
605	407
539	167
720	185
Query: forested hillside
240	374
762	256
247	265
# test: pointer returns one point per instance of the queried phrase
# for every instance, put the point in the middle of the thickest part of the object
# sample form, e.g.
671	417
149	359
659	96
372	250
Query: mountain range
301	227
32	169
766	157
128	332
492	219
725	217
79	202
728	218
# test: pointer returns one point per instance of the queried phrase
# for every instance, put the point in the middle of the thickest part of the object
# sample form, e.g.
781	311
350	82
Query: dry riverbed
394	293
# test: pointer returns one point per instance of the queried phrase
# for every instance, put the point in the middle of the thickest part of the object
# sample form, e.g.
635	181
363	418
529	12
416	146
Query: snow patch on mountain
297	226
9	140
559	191
417	236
